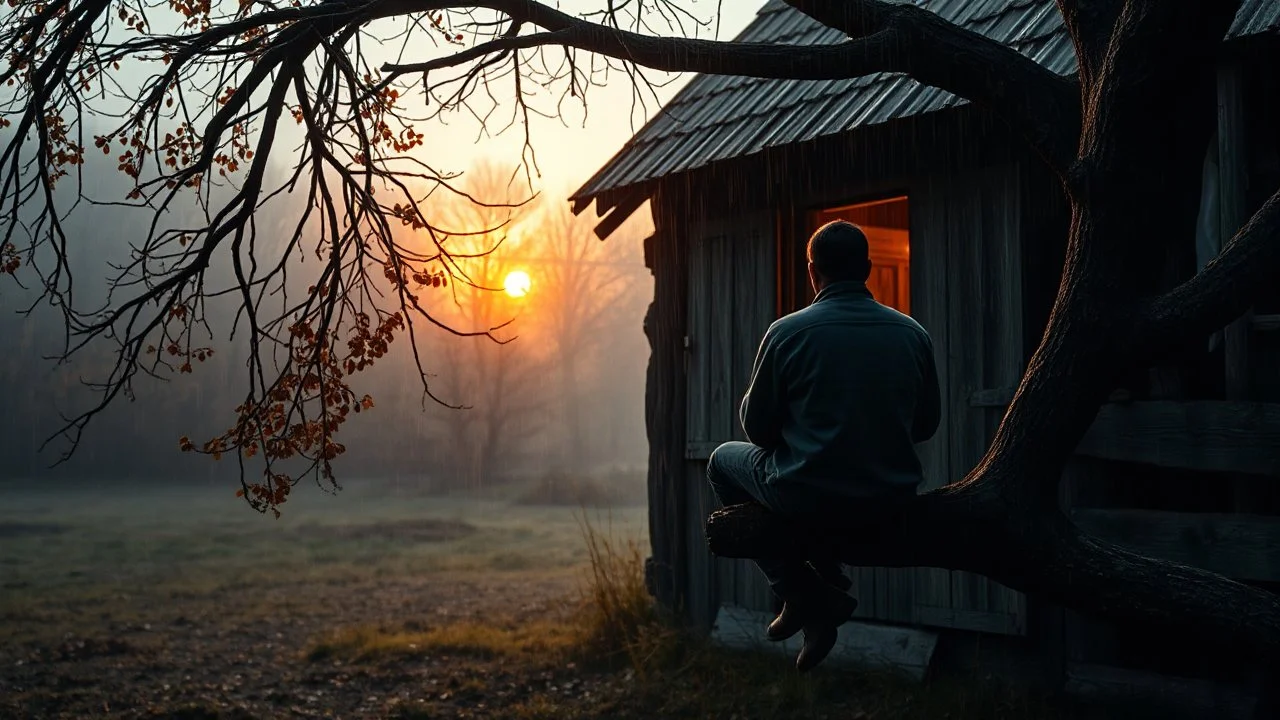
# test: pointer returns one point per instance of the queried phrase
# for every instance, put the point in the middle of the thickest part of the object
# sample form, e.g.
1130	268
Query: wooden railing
1211	436
1206	436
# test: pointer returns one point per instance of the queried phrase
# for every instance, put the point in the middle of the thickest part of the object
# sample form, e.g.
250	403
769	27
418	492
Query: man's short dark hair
839	252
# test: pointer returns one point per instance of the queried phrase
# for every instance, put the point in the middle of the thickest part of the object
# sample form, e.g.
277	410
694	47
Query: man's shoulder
794	322
894	316
870	313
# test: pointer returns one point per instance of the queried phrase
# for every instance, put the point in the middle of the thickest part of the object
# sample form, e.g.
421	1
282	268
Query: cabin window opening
885	224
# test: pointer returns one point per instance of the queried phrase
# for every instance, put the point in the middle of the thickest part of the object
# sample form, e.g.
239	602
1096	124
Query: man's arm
763	406
929	404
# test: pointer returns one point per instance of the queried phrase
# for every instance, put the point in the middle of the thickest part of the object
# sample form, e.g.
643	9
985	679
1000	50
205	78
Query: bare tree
1126	135
496	379
582	290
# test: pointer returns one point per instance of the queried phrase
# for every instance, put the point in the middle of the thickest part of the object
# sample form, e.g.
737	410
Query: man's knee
715	464
726	455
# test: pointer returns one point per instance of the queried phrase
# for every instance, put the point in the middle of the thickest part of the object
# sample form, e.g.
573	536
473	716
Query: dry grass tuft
619	618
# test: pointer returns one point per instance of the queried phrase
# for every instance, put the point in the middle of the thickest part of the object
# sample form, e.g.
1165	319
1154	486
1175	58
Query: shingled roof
716	117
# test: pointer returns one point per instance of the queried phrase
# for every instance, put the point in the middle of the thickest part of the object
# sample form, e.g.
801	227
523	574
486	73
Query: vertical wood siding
966	246
732	301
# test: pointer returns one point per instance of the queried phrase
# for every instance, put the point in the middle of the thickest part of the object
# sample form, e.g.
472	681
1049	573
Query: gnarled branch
1041	105
1220	292
885	38
957	531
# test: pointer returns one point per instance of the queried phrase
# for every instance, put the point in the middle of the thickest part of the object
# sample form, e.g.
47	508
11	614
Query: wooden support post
665	403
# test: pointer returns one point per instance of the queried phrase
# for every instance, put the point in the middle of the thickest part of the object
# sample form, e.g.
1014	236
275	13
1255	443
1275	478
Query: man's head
838	252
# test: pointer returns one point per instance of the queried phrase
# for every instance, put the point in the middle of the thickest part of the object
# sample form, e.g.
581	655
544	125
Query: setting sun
517	283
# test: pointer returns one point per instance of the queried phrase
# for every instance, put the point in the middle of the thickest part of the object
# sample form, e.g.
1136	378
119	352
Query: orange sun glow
517	283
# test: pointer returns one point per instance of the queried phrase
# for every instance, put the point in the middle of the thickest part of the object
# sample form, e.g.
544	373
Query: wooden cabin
967	232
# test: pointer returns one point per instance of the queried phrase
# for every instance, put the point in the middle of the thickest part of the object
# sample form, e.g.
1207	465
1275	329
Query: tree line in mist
554	388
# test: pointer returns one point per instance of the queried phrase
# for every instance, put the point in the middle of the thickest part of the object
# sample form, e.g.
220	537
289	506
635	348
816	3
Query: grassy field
96	536
129	602
163	602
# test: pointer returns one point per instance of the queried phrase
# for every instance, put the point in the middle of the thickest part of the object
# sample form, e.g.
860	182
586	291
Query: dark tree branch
1219	293
1090	24
763	60
958	531
885	38
1044	107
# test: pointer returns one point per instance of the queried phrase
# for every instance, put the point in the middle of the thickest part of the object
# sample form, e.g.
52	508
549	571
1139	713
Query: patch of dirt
240	652
27	529
86	648
422	531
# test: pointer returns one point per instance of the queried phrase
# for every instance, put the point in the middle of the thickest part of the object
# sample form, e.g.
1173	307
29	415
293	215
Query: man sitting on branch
840	393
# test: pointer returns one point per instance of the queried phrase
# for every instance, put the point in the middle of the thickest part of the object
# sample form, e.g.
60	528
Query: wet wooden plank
745	318
722	257
997	397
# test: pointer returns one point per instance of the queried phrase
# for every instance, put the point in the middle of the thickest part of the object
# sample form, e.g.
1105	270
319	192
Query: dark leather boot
818	642
814	603
789	622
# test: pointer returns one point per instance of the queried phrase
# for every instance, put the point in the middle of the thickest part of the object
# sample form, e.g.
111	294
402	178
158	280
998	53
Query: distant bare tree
497	378
583	288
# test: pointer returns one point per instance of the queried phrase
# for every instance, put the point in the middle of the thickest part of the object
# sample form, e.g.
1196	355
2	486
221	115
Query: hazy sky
569	152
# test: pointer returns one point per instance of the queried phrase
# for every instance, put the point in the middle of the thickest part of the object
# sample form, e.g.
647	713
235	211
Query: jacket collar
847	288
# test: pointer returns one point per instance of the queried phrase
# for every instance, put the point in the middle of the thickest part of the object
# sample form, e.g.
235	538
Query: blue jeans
737	474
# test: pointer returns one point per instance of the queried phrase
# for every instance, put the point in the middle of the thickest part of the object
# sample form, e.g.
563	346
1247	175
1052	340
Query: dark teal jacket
840	393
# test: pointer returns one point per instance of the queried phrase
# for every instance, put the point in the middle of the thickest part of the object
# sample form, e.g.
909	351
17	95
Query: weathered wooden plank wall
732	300
930	305
968	222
